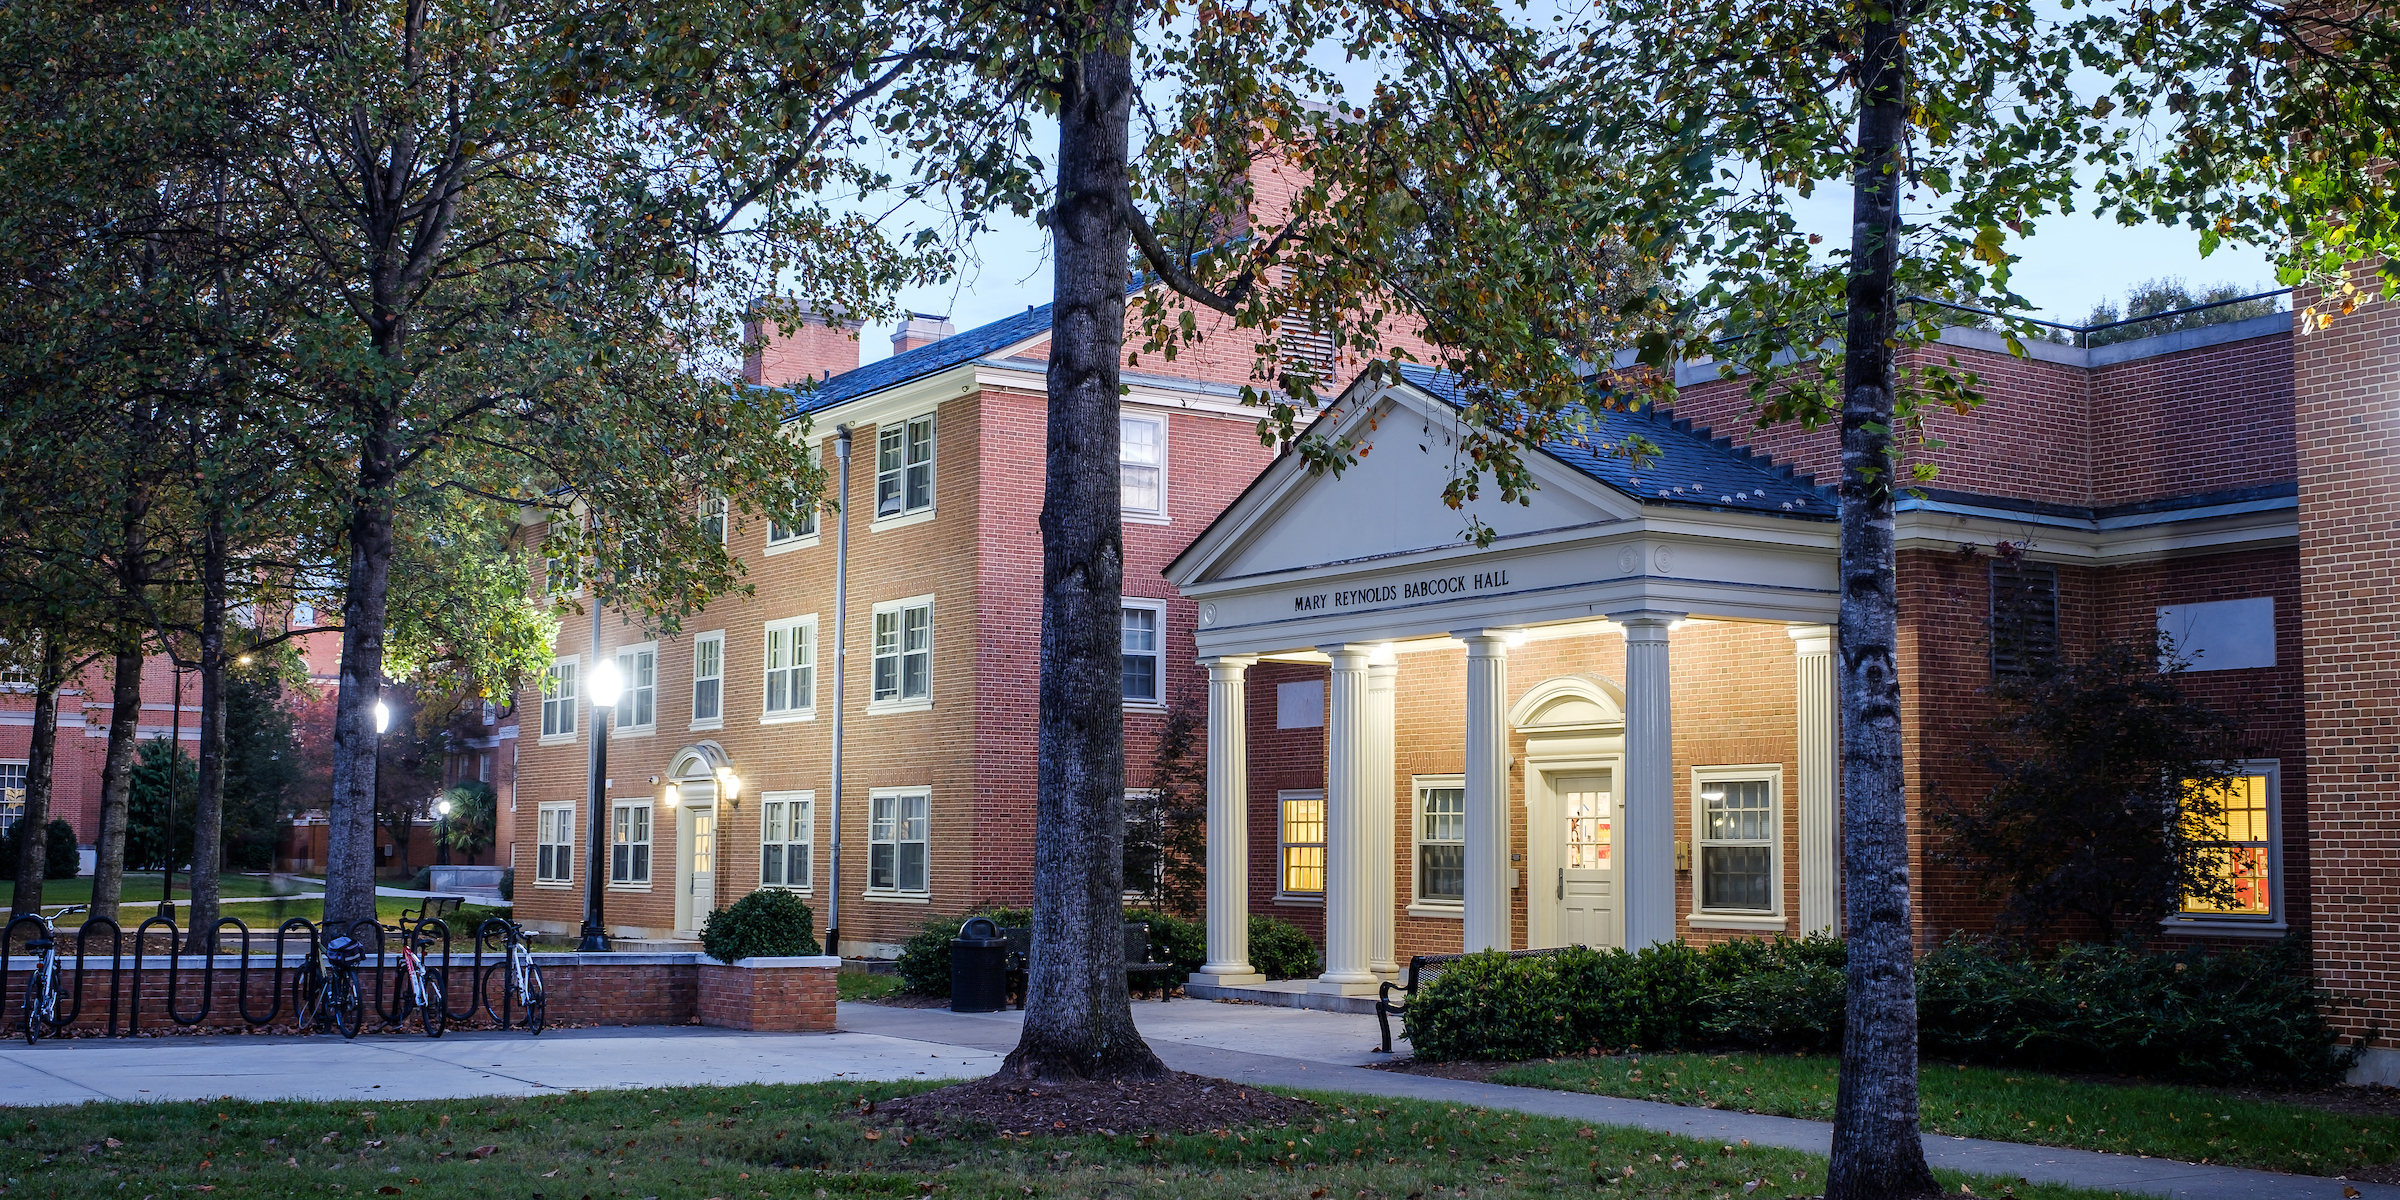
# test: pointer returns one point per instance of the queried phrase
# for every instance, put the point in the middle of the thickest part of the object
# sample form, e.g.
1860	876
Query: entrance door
1585	886
704	866
695	857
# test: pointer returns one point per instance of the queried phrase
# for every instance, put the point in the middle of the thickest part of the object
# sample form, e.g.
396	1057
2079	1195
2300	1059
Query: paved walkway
1276	1047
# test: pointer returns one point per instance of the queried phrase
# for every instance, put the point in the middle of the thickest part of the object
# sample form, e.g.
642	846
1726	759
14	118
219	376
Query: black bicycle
520	982
41	983
325	991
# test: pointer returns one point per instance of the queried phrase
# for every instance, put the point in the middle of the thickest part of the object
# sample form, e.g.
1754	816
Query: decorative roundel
1665	558
1629	560
1208	614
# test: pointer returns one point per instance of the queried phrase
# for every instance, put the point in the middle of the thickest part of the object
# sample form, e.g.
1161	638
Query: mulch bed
1470	1071
1175	1103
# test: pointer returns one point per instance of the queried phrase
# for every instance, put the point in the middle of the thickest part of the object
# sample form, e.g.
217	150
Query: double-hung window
629	844
791	663
554	844
1144	625
896	841
712	518
786	838
708	680
12	794
781	534
1142	466
1300	862
558	700
904	467
637	672
903	651
2239	833
1441	842
1734	816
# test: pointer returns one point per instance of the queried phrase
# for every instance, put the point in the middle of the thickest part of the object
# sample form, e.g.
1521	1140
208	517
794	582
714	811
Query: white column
1488	925
1349	760
1646	825
1228	825
1820	736
1383	678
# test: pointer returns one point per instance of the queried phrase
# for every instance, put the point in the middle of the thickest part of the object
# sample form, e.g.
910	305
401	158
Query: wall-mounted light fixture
670	795
729	785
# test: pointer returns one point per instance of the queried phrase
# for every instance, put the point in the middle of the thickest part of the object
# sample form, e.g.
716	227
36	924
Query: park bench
1138	966
1423	969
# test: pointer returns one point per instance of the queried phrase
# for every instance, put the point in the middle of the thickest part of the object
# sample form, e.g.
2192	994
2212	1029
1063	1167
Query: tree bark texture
116	774
33	838
208	807
1878	1153
350	819
1078	1021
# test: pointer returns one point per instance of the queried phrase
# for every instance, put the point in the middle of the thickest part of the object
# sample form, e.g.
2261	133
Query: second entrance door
1585	885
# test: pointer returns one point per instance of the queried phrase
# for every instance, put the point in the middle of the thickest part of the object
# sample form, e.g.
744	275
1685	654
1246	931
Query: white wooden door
1585	886
703	872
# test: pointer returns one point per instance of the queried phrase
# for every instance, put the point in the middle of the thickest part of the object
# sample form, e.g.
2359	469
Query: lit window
903	651
1442	844
904	468
558	699
1141	465
1736	819
2241	840
12	795
791	663
1302	855
629	845
896	842
712	519
554	844
708	679
1140	656
637	668
786	839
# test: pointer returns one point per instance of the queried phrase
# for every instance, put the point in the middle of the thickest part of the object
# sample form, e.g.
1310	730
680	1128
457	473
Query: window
483	767
787	838
637	668
558	575
12	795
2243	832
1300	863
1145	856
896	841
2024	616
708	680
1141	466
629	845
558	700
791	684
712	519
1442	843
779	534
554	844
1141	653
1735	817
904	468
903	651
1304	339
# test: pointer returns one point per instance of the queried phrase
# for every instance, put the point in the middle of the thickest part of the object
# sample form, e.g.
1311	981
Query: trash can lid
980	927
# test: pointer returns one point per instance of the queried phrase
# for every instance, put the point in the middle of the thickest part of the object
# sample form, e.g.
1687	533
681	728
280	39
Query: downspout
841	663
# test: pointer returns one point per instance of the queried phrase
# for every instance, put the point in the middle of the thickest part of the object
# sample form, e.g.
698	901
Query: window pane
1445	815
1442	872
1737	812
1304	844
770	863
1304	869
707	700
879	825
912	818
2242	835
1137	488
879	865
1140	677
912	866
1735	877
1141	631
641	863
773	822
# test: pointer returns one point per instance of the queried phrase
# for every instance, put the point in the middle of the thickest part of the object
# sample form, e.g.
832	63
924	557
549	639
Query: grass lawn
143	888
859	985
798	1141
2009	1106
266	916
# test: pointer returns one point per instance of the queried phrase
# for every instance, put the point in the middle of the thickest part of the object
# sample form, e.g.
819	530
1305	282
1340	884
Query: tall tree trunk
116	772
1878	1153
33	837
350	822
208	807
1078	1021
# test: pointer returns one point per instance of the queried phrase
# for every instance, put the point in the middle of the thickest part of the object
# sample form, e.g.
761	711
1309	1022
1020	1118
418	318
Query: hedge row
1278	949
2229	1017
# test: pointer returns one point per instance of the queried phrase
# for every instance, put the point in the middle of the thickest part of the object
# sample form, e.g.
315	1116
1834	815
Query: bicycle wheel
537	1003
431	1014
308	996
37	986
495	975
342	1004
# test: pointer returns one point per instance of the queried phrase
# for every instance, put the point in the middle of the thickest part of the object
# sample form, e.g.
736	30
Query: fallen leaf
483	1151
112	1143
387	1190
874	1135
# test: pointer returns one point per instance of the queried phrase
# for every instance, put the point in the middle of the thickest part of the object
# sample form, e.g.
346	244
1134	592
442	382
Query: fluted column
1646	829
1383	678
1820	736
1228	824
1349	760
1488	924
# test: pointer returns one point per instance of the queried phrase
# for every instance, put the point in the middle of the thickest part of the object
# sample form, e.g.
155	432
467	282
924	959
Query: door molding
1545	760
696	795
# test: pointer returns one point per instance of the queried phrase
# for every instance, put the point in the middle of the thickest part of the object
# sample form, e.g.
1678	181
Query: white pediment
1389	502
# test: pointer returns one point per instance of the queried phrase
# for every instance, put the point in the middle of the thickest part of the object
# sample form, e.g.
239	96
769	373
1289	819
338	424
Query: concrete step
1283	993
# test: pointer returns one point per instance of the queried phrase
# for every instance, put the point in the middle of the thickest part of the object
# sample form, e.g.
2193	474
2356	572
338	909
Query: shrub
508	883
1280	950
925	959
60	860
422	881
767	923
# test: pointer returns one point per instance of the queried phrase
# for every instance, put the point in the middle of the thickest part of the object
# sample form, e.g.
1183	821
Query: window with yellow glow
2243	830
1303	853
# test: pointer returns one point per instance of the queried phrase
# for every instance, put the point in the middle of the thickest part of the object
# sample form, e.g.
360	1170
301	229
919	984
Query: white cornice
2111	540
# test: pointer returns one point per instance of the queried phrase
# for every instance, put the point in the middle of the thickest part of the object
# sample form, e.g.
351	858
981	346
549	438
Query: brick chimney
920	329
815	349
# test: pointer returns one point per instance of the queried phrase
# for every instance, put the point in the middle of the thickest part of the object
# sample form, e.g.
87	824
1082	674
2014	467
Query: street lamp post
441	833
604	685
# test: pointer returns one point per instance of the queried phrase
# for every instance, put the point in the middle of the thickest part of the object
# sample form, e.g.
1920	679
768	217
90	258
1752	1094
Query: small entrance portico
1544	813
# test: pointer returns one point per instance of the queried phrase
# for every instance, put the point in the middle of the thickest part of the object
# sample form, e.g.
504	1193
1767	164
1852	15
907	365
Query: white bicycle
520	983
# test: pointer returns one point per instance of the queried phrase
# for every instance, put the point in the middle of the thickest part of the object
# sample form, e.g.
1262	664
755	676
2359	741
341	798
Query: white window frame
561	707
13	811
1158	655
720	510
1418	902
1155	515
900	700
2274	923
886	827
1739	918
548	819
906	471
776	813
1284	845
626	817
799	638
782	540
703	645
629	673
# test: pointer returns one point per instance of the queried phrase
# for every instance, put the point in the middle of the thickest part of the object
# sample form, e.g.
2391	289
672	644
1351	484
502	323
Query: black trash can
979	968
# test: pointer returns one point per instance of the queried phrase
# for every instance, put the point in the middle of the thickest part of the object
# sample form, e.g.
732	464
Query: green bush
925	959
422	881
59	857
1280	950
767	923
1175	940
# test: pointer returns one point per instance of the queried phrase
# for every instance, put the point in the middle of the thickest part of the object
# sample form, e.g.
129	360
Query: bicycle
521	987
41	983
424	983
325	992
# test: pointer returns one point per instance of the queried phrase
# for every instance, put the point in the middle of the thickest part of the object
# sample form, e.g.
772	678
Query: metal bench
1423	969
1137	961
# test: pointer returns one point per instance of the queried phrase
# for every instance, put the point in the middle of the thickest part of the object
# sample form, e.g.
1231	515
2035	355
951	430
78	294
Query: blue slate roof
1697	469
979	342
